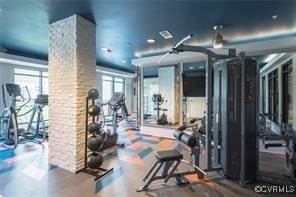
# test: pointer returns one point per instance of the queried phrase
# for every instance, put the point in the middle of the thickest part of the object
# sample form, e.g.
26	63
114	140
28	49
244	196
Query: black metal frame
209	95
167	173
97	174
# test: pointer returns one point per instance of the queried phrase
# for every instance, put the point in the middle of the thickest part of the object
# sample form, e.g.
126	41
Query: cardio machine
10	130
158	100
116	103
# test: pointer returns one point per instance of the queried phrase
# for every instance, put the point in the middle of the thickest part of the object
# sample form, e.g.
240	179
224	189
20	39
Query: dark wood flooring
26	172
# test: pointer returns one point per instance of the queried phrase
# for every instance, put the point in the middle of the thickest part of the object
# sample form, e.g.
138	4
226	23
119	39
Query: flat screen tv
194	85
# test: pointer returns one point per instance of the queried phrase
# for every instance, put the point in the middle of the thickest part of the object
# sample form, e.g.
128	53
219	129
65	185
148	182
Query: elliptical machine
116	103
158	100
9	124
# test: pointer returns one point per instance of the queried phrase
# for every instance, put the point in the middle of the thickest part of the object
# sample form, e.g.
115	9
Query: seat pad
168	155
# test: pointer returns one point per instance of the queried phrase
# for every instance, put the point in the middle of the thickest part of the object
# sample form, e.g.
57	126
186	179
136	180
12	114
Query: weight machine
241	72
286	138
9	124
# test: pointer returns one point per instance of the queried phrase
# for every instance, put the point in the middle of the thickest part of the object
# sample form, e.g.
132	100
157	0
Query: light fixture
106	50
166	35
191	67
275	16
270	57
123	61
201	67
218	40
151	40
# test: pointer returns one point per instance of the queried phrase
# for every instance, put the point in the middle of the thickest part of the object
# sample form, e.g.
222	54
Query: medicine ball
95	160
94	127
94	143
94	110
93	93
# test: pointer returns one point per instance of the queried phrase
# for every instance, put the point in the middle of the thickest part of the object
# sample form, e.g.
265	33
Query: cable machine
241	72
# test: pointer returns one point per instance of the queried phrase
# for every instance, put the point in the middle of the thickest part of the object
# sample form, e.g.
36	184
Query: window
273	95
263	94
287	103
111	85
33	83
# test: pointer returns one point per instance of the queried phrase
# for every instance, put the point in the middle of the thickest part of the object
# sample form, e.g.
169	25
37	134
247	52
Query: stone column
72	72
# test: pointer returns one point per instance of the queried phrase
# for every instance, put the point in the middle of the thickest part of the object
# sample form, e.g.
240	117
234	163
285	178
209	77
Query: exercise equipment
235	118
93	93
171	159
158	100
94	160
95	127
40	102
285	138
94	110
240	74
9	124
116	103
94	143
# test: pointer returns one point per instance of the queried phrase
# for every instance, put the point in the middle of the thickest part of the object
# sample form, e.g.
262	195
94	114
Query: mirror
161	100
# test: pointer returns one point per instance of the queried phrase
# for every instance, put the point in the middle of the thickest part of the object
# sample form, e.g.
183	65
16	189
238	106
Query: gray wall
6	76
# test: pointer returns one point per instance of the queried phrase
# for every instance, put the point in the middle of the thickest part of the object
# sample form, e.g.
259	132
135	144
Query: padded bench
165	159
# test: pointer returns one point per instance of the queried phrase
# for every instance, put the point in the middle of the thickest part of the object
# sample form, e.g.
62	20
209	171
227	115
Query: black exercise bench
167	159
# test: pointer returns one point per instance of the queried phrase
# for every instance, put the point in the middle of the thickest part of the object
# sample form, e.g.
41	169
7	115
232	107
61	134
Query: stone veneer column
72	72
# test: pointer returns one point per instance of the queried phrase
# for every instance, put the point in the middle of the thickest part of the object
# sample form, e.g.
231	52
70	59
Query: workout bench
168	159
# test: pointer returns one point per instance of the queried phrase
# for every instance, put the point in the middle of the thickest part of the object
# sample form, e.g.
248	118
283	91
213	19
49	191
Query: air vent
166	34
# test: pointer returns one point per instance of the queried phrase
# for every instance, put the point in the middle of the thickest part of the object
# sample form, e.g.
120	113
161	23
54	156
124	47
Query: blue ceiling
124	25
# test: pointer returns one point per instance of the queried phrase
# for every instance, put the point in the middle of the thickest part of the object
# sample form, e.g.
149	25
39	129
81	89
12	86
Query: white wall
196	107
151	86
6	76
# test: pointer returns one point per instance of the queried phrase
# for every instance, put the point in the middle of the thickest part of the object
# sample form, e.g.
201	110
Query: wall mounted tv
194	85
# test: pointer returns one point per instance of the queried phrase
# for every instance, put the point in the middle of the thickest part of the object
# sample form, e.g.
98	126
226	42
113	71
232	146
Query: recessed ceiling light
191	67
150	40
123	61
106	50
275	17
201	67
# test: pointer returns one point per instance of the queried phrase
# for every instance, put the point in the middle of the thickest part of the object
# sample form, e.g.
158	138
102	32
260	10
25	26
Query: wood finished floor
26	172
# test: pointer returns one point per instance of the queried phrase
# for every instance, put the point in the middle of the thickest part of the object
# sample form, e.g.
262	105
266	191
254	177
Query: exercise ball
95	143
93	93
94	127
94	110
94	160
